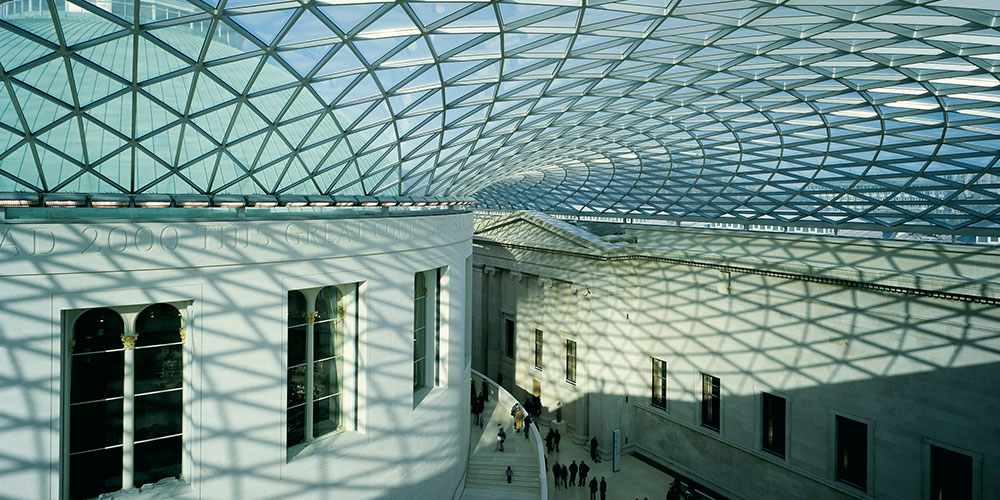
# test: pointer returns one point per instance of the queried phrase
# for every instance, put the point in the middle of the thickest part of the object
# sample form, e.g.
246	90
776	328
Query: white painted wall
237	273
918	369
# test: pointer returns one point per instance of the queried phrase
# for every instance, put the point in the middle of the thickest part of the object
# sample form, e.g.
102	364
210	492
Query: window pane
296	308
296	386
296	425
158	368
773	433
94	473
951	474
328	339
95	425
158	415
329	303
509	332
418	374
326	415
326	377
155	460
710	401
852	452
98	330
296	345
97	376
158	324
419	343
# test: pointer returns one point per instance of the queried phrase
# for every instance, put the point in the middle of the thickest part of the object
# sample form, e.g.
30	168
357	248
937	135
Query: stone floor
636	479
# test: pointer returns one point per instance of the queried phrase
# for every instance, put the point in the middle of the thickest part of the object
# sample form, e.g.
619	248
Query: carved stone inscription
137	239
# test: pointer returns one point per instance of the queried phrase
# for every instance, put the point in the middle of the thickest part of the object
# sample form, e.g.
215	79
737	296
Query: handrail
534	432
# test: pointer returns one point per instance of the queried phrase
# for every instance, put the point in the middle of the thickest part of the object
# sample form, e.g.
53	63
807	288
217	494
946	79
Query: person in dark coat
593	489
555	473
604	489
486	391
572	473
527	425
593	448
555	440
548	441
565	475
584	469
510	474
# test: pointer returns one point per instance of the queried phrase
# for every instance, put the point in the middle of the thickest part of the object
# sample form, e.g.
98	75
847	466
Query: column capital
545	282
514	275
581	290
489	270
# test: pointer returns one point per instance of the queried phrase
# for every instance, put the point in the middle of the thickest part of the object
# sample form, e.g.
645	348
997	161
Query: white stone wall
237	275
917	369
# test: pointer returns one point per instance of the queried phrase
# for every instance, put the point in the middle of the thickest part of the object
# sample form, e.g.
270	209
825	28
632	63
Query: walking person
604	489
518	419
584	469
572	473
548	441
555	440
565	475
486	391
593	449
555	474
510	474
527	425
501	435
593	489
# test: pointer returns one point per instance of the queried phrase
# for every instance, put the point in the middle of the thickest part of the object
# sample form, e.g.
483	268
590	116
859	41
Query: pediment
538	230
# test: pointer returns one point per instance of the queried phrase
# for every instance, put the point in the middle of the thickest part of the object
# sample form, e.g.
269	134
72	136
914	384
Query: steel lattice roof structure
841	112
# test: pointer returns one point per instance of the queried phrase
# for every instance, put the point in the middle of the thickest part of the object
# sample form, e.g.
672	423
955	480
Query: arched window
97	365
315	363
125	403
158	393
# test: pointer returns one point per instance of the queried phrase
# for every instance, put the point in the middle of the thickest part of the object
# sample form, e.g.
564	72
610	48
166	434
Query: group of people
567	476
552	440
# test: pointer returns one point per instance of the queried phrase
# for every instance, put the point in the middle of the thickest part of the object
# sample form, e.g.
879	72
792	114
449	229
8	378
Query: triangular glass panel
236	74
365	90
154	61
304	60
150	116
304	103
228	43
38	111
115	56
66	138
393	20
51	79
173	92
271	104
208	93
272	75
20	164
56	168
182	39
374	50
194	145
18	50
246	123
265	25
92	85
100	141
348	17
39	22
343	62
308	28
200	172
116	113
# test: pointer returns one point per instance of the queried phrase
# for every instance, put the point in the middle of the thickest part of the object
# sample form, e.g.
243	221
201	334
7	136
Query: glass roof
833	112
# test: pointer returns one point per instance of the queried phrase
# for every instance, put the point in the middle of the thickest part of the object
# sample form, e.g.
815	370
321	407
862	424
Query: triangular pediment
535	229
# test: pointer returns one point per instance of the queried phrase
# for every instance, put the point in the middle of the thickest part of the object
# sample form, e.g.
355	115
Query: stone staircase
489	473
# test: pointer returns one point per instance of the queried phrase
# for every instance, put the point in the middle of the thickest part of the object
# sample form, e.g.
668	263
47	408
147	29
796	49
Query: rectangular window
508	338
773	419
570	361
125	400
951	474
538	349
659	396
317	324
852	452
710	393
420	292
